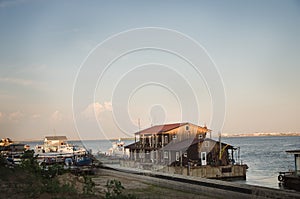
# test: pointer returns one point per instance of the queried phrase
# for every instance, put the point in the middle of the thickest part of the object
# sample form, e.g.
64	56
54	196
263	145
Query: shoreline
262	135
224	136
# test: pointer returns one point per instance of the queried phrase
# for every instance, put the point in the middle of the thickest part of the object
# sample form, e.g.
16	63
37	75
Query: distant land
41	140
257	134
261	134
128	138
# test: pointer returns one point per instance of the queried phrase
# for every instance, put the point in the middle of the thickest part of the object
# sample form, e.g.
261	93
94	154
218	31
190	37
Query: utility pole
220	152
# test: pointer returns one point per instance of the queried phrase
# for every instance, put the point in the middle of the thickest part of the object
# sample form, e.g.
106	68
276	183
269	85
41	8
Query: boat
56	149
117	149
83	161
5	142
11	151
58	144
291	179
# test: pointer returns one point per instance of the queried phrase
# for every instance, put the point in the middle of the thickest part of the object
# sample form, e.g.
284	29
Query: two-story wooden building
183	148
149	143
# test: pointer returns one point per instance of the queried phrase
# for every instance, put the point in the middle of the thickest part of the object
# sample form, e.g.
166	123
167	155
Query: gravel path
140	186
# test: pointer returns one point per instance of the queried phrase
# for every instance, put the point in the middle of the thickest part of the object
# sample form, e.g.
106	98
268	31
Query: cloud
56	116
35	116
18	81
95	109
15	116
108	106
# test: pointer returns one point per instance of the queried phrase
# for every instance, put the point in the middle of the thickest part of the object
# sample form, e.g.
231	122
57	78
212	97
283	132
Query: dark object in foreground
291	180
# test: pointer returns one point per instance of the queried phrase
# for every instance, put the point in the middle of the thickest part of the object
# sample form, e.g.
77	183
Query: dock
210	187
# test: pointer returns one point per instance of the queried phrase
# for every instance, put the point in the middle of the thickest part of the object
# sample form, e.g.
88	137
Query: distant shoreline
262	135
223	135
75	140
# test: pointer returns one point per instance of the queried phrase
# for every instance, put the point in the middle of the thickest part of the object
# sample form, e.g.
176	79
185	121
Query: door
203	158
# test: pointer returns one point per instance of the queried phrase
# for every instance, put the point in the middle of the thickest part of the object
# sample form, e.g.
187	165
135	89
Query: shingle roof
174	145
180	146
160	128
132	146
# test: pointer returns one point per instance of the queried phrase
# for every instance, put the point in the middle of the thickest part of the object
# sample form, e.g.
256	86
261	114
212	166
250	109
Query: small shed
297	160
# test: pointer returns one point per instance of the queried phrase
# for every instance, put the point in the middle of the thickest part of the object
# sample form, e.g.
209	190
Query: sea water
265	156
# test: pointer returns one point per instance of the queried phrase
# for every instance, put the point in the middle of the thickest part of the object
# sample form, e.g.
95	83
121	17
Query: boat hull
290	181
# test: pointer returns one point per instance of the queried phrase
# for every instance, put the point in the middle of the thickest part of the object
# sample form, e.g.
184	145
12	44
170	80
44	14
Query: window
174	136
177	156
166	139
166	154
187	128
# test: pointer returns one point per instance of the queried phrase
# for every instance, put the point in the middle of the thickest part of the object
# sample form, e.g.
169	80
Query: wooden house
182	148
149	143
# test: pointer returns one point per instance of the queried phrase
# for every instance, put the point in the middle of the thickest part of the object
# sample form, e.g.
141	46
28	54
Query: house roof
160	128
185	144
132	146
294	151
217	142
180	146
56	137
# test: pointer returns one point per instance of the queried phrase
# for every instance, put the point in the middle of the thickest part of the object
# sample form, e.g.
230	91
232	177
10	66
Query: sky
105	69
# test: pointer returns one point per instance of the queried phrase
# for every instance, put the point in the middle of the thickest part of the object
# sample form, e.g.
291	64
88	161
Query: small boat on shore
291	179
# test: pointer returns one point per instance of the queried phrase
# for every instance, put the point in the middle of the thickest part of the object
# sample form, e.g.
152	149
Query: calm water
265	156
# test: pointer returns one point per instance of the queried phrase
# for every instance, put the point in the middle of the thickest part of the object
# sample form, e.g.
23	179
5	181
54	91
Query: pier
208	187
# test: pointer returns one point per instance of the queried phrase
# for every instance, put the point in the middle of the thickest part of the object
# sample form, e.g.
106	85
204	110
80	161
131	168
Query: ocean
265	156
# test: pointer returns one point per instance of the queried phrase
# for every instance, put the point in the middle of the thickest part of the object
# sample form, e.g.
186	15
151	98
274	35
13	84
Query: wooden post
220	149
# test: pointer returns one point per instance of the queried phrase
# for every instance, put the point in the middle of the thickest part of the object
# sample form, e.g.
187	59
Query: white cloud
108	106
35	116
15	116
95	109
56	116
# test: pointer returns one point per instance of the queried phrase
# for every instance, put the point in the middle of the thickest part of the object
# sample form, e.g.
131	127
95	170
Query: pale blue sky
254	44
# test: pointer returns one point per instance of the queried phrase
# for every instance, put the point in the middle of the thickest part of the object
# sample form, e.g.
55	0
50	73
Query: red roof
160	128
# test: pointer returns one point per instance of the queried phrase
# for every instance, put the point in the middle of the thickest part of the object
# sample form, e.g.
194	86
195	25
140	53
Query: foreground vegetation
30	180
